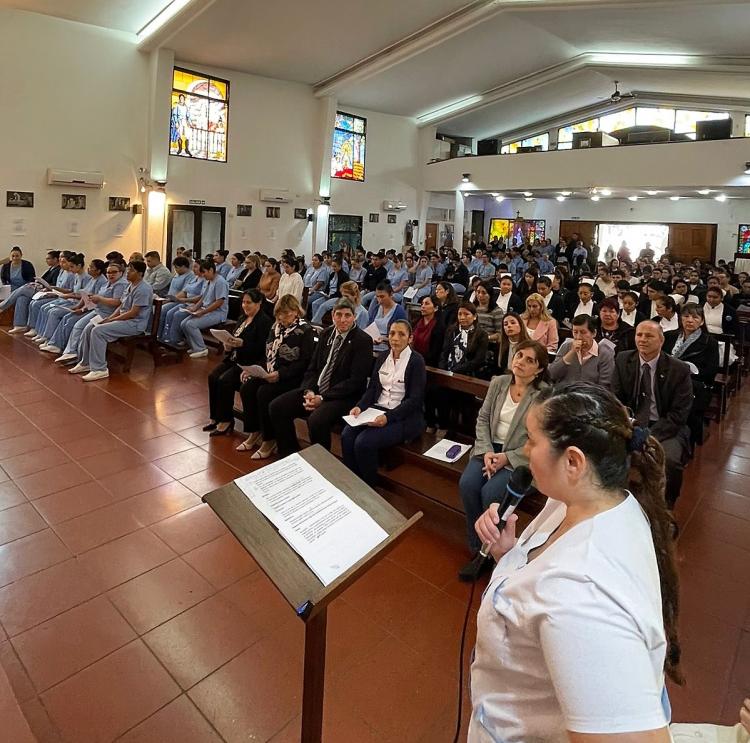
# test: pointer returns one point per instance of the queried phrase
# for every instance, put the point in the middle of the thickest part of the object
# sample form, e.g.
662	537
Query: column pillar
458	223
327	120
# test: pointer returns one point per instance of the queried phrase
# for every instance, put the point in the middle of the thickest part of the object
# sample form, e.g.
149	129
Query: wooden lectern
297	583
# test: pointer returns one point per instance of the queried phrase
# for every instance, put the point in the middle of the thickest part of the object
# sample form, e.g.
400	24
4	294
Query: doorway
344	228
198	228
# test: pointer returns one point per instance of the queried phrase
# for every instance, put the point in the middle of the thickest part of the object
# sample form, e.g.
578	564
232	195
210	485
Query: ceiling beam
174	22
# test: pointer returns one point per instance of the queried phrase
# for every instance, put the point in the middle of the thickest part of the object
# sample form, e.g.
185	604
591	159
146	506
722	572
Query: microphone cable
460	700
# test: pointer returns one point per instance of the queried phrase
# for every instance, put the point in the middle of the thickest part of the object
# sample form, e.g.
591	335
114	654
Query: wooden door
690	241
587	230
430	236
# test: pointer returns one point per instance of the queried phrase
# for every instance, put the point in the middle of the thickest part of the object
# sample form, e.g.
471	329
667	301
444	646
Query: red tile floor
128	612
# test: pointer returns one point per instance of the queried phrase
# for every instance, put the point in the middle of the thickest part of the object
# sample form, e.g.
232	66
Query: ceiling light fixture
595	197
528	193
493	194
161	18
560	198
652	193
651	60
499	198
605	191
674	198
632	198
722	197
565	193
466	177
747	168
451	108
704	191
528	198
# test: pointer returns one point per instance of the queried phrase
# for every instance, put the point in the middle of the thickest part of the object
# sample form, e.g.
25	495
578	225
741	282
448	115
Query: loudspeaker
488	147
717	129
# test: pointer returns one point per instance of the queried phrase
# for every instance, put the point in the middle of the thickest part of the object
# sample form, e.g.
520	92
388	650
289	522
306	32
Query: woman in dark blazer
289	348
397	387
465	346
246	348
17	271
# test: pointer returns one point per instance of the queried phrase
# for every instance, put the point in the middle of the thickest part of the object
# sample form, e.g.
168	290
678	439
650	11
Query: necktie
643	414
325	377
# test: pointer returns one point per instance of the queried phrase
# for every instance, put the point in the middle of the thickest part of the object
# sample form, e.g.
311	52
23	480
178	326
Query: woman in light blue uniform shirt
399	278
71	310
107	300
20	298
422	279
77	269
237	263
210	310
191	292
64	284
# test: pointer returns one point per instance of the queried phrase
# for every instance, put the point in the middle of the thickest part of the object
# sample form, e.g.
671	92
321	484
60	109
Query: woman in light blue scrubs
64	284
191	293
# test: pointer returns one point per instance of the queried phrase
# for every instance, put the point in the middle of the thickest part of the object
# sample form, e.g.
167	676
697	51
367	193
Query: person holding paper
501	436
290	282
323	301
247	346
70	311
334	381
289	348
397	386
422	279
20	298
105	303
383	312
191	292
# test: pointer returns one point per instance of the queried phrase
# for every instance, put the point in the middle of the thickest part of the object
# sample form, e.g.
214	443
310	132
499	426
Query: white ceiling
121	15
413	57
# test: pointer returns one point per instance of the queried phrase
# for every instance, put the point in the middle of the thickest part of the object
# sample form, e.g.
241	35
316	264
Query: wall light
466	177
722	197
747	168
156	202
499	198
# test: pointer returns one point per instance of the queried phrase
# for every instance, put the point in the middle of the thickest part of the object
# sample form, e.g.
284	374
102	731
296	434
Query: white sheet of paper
95	320
87	303
39	280
373	332
366	416
39	295
326	528
221	335
410	292
439	450
4	291
255	371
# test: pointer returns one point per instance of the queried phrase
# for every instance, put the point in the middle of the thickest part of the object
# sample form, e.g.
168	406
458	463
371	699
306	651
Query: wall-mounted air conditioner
275	195
394	206
74	178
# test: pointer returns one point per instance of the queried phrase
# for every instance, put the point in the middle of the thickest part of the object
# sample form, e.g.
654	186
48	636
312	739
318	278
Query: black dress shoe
478	566
210	426
226	432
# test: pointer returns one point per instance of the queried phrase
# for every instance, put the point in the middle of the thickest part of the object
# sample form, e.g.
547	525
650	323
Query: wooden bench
147	341
726	382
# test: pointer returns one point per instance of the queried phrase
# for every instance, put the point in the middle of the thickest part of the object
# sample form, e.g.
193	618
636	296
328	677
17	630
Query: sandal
250	442
265	452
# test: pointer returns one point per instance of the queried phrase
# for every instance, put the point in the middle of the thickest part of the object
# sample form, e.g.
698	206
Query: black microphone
518	487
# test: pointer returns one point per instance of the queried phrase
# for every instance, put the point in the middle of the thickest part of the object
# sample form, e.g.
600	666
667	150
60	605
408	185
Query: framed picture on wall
391	219
273	212
119	203
244	210
20	198
374	217
73	201
300	213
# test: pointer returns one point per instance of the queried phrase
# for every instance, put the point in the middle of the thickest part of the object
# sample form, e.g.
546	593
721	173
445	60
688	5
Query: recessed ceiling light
605	191
652	193
528	193
632	198
674	198
565	193
704	191
560	198
499	198
721	197
595	197
466	177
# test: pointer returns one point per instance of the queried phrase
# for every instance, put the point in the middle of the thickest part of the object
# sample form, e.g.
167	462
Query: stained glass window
663	117
523	230
348	154
541	140
618	120
510	149
565	134
199	118
743	241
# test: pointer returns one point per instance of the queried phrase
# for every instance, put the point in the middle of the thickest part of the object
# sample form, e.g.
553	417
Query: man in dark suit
332	385
659	391
554	302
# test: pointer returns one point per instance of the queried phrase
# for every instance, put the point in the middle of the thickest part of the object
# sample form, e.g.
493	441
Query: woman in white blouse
397	386
290	282
578	625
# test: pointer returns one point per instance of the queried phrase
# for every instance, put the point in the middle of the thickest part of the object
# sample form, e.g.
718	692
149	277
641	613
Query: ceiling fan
617	96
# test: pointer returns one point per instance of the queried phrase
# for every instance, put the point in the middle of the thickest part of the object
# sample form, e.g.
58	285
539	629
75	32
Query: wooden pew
147	341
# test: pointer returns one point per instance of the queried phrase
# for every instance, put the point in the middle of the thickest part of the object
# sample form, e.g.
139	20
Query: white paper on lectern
365	417
326	528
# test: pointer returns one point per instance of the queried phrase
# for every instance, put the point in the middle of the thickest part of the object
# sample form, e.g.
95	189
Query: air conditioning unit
75	178
275	195
394	206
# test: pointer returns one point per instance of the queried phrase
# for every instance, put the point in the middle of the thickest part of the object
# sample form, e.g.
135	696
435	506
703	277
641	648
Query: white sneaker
93	376
18	329
49	348
65	358
30	333
39	340
199	354
79	369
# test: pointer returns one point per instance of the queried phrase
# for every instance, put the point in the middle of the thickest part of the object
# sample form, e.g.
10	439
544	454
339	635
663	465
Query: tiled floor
128	612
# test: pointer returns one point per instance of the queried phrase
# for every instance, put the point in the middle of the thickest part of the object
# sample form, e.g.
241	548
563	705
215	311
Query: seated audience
528	285
465	346
604	282
552	301
357	272
611	328
742	298
457	274
383	312
190	293
513	332
489	315
316	277
350	291
129	319
581	358
422	278
158	276
237	268
106	301
428	334
501	437
666	309
17	271
507	299
290	281
647	302
334	381
325	300
289	350
582	302
20	298
658	389
540	325
720	317
250	276
630	313
446	302
269	283
220	262
397	387
247	347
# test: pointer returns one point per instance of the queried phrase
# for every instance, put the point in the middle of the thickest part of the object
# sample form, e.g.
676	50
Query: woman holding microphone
578	626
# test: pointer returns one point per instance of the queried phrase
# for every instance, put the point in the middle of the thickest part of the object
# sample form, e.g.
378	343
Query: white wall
727	215
75	98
